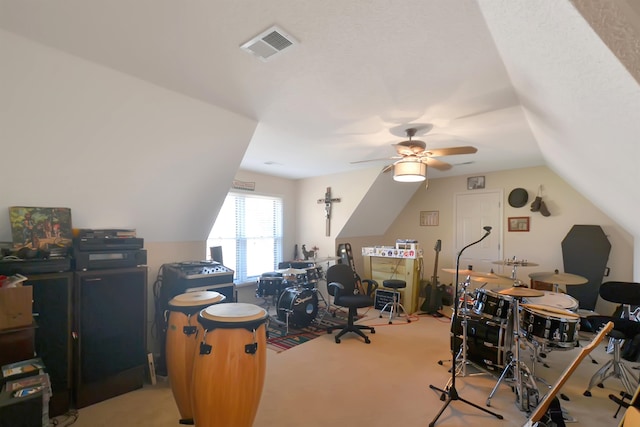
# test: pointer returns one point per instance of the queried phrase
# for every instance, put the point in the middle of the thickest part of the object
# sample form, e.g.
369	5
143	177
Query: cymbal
516	262
521	291
558	278
478	276
326	259
291	271
493	278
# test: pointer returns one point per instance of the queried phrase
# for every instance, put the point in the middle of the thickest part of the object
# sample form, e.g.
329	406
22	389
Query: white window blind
249	229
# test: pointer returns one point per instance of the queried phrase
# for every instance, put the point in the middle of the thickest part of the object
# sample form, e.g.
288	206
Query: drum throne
626	294
341	285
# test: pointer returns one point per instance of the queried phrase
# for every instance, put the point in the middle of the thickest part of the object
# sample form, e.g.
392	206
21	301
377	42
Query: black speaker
216	253
52	314
110	315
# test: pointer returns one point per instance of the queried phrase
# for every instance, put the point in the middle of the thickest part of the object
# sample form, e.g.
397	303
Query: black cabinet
52	315
109	326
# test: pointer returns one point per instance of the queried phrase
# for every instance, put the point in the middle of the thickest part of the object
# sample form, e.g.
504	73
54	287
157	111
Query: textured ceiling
360	69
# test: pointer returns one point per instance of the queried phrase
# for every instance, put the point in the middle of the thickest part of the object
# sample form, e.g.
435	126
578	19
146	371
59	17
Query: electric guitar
430	305
540	412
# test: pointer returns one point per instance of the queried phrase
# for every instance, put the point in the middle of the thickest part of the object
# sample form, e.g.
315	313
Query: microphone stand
451	392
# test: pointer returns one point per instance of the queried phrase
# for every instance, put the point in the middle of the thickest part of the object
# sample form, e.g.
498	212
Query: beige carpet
385	383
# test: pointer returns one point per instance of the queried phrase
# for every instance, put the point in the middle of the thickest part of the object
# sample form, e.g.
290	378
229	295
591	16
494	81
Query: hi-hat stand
452	393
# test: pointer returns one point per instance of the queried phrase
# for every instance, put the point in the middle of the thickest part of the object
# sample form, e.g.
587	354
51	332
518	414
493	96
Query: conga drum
181	345
229	367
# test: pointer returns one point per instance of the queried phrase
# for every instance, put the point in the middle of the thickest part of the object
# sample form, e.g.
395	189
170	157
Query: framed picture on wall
518	223
429	218
475	182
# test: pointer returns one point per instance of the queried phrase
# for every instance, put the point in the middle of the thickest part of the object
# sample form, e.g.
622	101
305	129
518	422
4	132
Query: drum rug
279	341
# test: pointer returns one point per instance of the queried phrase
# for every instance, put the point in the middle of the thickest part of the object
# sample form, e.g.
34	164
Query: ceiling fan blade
436	164
372	160
387	168
452	151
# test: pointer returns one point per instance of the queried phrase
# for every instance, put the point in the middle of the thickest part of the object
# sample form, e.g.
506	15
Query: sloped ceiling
527	83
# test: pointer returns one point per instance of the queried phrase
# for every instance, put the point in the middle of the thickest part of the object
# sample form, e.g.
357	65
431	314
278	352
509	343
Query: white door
474	211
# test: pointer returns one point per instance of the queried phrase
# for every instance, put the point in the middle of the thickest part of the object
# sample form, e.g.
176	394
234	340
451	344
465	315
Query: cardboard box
16	305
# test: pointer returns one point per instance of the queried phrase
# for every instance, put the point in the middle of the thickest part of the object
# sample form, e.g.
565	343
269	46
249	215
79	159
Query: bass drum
299	305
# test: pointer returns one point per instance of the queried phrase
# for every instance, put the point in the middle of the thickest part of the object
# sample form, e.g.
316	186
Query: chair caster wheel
337	340
443	397
408	320
601	385
587	393
373	331
367	340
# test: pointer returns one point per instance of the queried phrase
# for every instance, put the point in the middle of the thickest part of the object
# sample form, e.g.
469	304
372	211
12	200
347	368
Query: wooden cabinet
407	269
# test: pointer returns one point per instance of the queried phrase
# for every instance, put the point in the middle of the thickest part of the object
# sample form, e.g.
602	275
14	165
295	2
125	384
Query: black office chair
341	284
627	294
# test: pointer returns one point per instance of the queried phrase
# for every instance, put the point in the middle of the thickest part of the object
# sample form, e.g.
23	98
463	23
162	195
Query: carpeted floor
321	383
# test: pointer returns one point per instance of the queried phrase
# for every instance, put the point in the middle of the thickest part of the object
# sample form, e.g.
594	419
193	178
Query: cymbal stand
525	387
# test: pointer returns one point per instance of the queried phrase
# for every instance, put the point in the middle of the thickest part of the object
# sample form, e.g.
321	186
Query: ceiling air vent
267	44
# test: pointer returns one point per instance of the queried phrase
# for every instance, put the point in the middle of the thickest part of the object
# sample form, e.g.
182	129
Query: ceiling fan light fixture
409	171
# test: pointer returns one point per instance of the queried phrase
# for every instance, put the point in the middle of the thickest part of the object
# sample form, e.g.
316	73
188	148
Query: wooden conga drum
182	341
229	367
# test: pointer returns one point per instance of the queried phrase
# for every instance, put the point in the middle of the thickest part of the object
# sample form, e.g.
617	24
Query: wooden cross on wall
328	201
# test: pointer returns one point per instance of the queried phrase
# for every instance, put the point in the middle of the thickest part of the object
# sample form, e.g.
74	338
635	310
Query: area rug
279	340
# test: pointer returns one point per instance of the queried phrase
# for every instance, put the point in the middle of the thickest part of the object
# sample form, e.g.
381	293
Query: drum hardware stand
461	361
452	393
524	392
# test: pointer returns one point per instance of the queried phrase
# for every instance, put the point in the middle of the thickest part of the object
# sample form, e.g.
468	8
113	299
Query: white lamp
409	171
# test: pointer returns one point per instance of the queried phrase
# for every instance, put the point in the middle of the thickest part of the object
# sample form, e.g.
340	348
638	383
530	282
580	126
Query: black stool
394	306
625	293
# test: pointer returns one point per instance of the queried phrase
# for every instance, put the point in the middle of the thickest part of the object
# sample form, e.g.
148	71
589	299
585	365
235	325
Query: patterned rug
279	340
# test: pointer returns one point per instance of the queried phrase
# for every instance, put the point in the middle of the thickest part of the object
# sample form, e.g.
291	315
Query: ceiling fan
413	157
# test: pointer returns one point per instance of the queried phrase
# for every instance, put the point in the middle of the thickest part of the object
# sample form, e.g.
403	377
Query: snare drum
299	305
554	299
553	327
492	305
229	368
181	344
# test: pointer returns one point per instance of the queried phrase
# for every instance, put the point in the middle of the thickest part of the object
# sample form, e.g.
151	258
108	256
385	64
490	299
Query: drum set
493	326
295	295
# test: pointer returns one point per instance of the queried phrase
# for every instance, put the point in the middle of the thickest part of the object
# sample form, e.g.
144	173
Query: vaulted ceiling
527	83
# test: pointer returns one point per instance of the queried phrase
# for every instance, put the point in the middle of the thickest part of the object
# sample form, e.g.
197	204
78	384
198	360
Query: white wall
542	244
118	151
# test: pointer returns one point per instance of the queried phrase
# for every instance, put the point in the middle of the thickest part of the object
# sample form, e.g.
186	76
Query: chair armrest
338	288
371	287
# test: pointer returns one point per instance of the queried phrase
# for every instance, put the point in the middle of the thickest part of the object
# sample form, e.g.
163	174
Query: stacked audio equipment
189	276
52	283
109	315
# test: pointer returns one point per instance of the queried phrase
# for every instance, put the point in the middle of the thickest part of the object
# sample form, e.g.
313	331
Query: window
249	229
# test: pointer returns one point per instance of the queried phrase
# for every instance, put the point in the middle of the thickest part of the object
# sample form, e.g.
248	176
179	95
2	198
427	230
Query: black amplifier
107	243
98	260
9	267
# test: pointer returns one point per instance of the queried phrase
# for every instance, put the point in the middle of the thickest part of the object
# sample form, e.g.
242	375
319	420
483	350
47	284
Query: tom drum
554	299
492	305
550	326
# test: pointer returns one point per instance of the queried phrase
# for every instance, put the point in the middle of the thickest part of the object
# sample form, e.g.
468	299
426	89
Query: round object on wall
518	197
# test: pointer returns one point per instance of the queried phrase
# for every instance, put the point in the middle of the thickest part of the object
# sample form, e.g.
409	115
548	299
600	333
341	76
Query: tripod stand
452	393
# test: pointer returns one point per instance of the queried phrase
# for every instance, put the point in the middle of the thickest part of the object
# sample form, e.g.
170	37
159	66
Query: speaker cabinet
110	352
52	315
